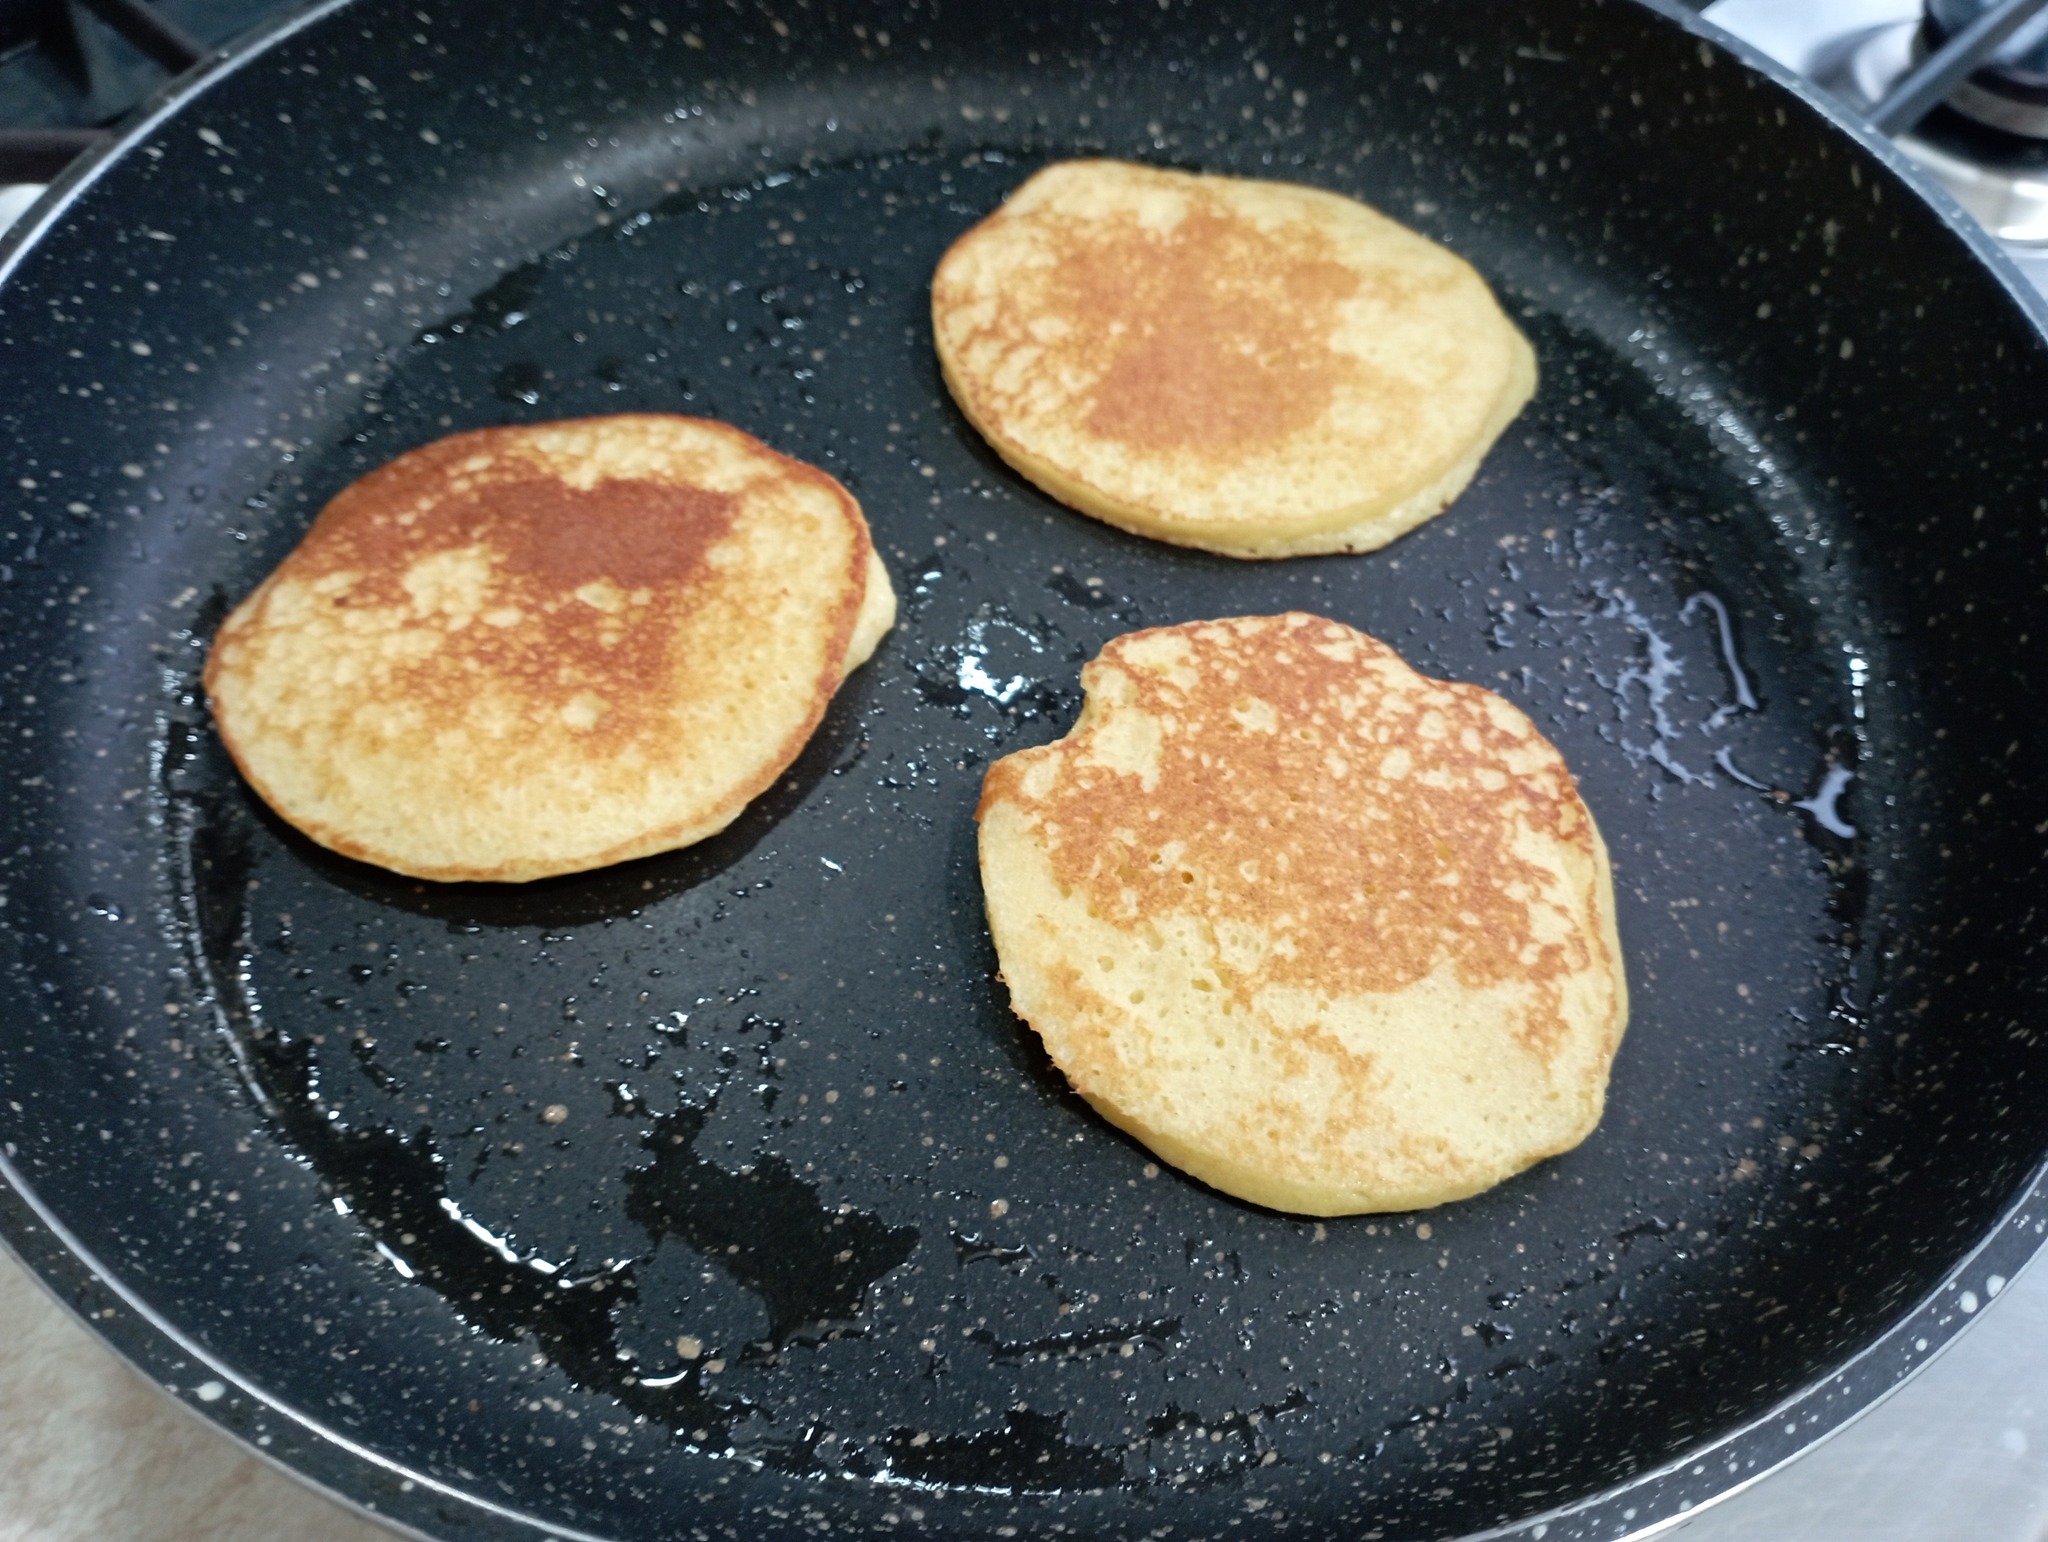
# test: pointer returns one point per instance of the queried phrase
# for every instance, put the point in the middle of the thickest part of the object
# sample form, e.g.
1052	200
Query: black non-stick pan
720	1194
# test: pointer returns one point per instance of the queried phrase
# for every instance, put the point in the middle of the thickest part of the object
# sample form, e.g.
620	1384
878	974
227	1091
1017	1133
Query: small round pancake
1256	368
527	651
1329	935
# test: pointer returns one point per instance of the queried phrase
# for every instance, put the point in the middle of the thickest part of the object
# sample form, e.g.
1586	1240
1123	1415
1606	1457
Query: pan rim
1960	221
144	1339
161	105
1644	1504
163	1335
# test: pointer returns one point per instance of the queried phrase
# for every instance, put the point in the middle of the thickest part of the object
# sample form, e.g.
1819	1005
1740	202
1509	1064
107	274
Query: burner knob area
2011	91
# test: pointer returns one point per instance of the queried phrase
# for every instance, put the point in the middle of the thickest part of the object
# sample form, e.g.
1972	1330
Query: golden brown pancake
527	651
1256	368
1327	934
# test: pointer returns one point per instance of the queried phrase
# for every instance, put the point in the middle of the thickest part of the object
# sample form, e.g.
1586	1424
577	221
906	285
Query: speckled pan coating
1773	519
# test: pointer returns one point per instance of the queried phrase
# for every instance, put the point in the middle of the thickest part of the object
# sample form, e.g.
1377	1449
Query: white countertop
90	1452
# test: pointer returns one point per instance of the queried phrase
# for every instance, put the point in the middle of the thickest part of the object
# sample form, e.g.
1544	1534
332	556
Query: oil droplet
1824	804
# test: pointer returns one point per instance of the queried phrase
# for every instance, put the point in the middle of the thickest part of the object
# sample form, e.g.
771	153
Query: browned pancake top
586	583
1310	785
1209	334
537	649
1217	331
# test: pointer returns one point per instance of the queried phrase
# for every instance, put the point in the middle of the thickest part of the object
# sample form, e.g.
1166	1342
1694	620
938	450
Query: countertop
89	1450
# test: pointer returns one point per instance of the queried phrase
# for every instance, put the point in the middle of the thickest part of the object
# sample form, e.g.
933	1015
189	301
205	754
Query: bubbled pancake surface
534	650
1257	368
1330	935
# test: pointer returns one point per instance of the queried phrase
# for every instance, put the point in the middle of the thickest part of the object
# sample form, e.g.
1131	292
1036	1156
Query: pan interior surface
764	1100
722	1189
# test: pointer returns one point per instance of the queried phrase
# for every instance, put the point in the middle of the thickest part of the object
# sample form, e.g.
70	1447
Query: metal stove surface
1858	48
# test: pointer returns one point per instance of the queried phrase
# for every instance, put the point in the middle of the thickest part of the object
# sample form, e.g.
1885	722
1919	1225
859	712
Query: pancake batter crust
534	650
1256	368
1327	934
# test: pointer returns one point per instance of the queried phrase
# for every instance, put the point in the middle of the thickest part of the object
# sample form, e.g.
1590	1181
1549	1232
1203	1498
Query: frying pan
720	1194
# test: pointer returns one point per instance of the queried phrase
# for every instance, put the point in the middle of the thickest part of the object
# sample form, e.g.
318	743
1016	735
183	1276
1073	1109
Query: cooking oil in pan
744	1140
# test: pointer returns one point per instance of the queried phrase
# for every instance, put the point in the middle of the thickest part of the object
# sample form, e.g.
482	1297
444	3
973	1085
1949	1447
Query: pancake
527	651
1329	935
1255	368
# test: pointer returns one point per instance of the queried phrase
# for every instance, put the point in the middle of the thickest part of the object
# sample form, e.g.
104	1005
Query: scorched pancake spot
526	651
1328	934
1253	367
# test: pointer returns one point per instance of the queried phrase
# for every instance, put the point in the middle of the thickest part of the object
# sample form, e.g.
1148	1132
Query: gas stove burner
1859	50
2010	93
1998	170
